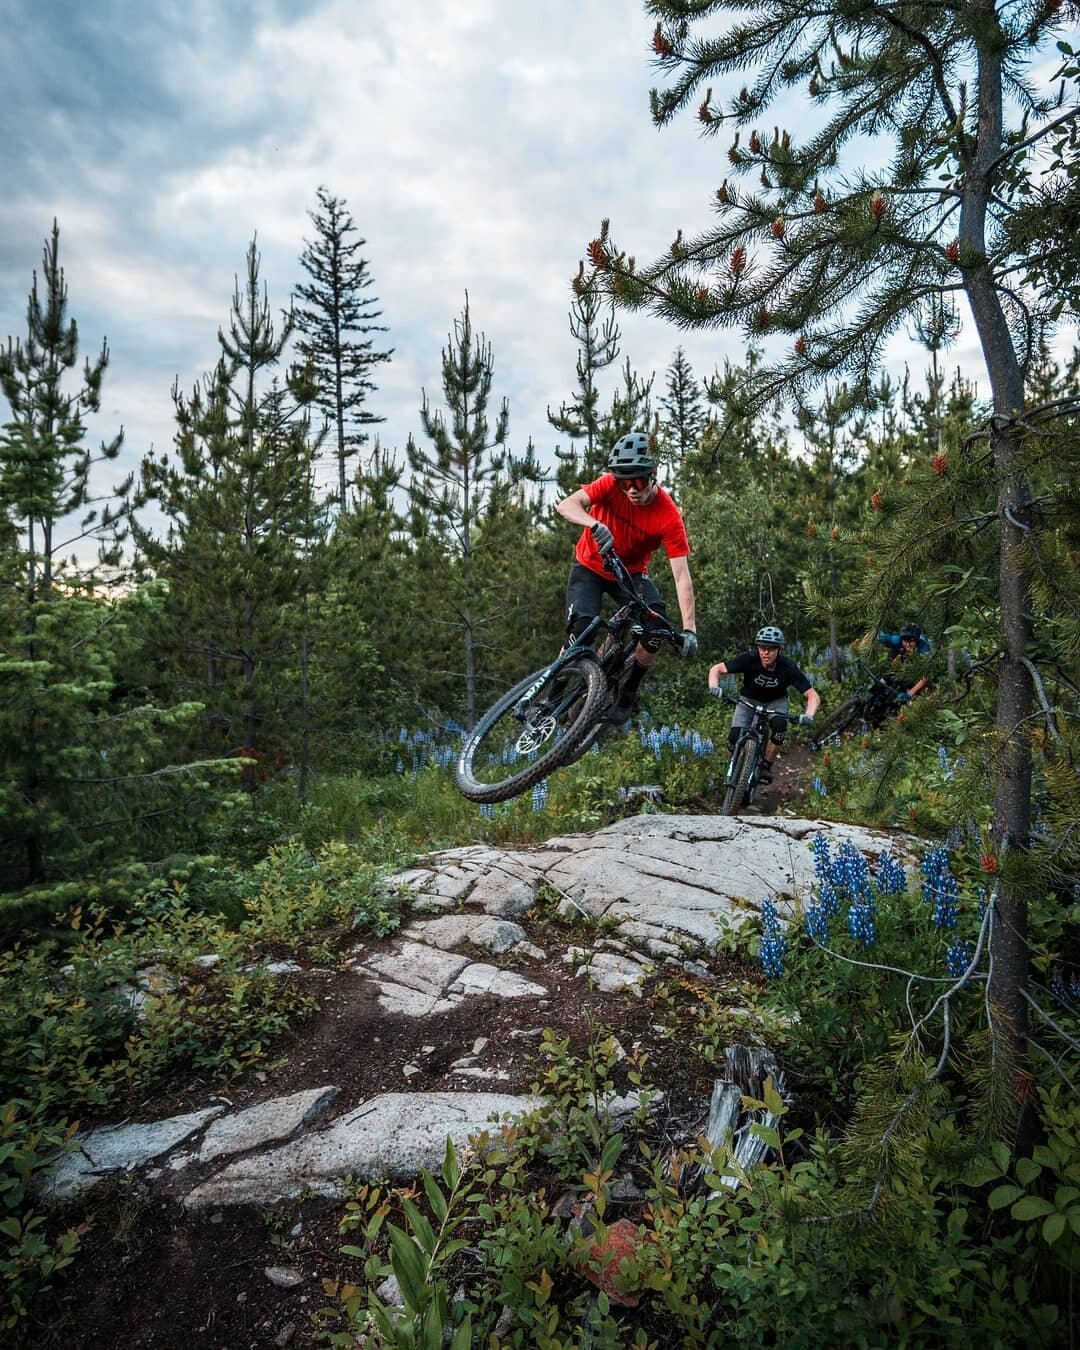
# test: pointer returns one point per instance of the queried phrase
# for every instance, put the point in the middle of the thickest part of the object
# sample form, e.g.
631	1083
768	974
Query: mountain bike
870	704
744	767
556	714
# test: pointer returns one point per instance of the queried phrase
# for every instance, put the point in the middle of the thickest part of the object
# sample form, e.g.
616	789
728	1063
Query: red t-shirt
637	530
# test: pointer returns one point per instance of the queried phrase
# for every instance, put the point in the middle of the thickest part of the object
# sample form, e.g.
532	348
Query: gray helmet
770	636
911	630
630	456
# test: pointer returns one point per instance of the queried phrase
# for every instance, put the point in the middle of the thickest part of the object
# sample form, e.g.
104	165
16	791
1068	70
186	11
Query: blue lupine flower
943	762
891	877
818	786
1066	991
819	846
828	899
773	943
539	795
487	810
861	922
817	923
984	899
850	872
940	887
958	957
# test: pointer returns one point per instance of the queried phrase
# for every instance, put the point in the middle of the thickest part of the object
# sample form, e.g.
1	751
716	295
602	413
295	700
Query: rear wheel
538	726
739	788
838	722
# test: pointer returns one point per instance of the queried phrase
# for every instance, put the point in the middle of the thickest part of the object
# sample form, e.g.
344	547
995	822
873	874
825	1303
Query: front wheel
738	788
538	726
837	722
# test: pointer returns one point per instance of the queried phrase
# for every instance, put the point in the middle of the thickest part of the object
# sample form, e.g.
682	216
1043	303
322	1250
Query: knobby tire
838	722
739	789
498	733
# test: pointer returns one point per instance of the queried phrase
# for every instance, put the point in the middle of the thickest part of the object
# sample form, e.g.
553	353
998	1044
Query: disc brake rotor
535	734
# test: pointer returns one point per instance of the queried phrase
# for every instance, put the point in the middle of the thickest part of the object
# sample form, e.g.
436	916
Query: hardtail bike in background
748	756
875	700
557	714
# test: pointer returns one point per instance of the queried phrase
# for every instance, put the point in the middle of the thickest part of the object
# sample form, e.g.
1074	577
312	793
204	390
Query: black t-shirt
765	685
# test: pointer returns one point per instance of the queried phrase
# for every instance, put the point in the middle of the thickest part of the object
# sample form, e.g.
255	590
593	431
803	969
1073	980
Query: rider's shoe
622	710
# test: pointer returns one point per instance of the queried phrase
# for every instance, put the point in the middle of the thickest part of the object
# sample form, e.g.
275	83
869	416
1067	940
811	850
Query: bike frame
758	732
631	622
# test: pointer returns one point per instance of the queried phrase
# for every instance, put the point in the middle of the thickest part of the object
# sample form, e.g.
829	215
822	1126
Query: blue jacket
892	641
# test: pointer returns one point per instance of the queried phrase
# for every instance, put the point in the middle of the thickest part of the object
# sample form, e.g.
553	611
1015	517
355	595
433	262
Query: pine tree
80	748
335	320
579	419
848	254
834	433
237	494
683	405
450	492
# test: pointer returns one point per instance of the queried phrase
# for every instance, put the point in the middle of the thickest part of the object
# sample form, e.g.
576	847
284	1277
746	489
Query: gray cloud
477	144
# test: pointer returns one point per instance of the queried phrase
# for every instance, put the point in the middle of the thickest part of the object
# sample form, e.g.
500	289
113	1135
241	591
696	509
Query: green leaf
431	1331
409	1267
436	1199
768	1133
1001	1196
610	1155
1031	1207
419	1227
463	1338
1053	1227
451	1171
773	1101
979	1171
1027	1170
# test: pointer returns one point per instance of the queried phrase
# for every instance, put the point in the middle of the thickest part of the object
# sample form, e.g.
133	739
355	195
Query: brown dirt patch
151	1276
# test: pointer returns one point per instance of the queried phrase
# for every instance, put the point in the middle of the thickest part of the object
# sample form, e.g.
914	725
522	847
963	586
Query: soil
152	1276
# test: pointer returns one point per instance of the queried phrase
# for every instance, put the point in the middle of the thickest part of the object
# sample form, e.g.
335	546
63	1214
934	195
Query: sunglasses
634	484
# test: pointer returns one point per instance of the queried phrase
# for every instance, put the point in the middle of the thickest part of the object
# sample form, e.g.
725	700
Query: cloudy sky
477	144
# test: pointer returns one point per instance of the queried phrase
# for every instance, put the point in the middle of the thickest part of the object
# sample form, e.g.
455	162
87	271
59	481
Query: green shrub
29	1255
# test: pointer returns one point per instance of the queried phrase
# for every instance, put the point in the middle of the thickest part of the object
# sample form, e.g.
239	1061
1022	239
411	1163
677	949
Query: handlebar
804	719
657	625
885	677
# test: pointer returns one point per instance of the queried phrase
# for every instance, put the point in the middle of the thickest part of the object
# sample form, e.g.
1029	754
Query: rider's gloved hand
805	719
605	540
903	696
716	691
689	645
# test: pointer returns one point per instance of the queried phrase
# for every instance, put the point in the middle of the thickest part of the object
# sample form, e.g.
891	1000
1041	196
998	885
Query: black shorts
585	591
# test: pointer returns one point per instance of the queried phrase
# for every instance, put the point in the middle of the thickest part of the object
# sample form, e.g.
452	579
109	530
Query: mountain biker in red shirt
766	677
625	511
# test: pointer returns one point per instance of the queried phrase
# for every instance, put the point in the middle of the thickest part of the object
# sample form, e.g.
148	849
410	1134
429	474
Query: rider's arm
813	701
684	589
714	674
917	687
575	508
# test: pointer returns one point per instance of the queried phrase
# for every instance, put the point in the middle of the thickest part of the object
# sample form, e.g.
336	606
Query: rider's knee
651	644
777	727
576	623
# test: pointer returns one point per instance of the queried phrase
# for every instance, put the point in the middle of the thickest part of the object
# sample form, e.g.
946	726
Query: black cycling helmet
630	456
769	636
911	630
